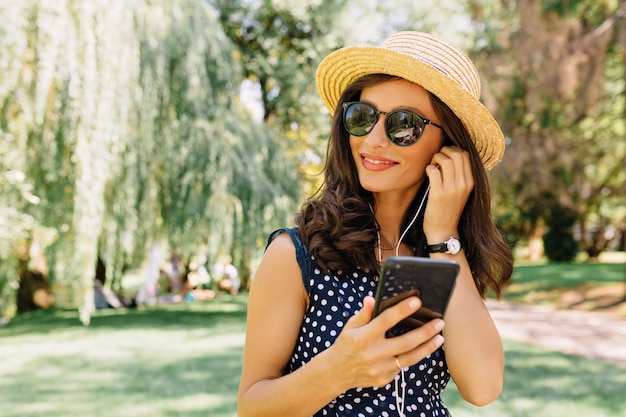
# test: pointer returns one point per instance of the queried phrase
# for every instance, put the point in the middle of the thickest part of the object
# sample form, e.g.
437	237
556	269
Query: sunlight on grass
184	360
166	361
528	280
198	402
541	383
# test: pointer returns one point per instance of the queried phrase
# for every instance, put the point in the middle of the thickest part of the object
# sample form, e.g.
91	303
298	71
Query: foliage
559	242
281	44
132	136
124	125
555	71
64	122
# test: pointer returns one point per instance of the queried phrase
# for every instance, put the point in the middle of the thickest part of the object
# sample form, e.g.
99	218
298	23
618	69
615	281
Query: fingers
364	315
451	167
451	183
415	345
394	314
363	356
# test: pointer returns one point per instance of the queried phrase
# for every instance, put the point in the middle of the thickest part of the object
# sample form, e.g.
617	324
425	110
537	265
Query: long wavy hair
338	225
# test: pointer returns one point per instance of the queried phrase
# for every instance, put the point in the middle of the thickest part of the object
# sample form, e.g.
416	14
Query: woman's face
383	166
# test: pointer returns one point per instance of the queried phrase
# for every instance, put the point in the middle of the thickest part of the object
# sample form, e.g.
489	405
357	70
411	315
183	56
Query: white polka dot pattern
335	297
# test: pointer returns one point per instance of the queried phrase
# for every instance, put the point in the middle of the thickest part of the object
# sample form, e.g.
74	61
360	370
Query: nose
377	137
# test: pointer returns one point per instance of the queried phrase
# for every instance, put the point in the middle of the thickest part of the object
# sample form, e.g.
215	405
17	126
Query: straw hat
427	61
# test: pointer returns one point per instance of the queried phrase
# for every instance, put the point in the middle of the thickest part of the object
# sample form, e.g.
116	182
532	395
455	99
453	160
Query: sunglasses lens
404	128
359	118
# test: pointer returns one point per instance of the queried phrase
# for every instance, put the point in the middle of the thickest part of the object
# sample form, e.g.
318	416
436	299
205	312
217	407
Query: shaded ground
584	286
606	298
585	315
586	322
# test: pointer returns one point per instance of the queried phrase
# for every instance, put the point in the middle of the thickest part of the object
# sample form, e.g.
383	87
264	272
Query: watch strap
438	248
452	245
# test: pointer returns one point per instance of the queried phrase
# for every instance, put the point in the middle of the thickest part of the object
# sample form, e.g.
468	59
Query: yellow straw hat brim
424	60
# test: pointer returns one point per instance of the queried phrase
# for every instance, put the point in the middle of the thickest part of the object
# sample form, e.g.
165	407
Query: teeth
377	162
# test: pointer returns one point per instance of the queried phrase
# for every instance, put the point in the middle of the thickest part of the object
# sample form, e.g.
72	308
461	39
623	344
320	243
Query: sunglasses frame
346	105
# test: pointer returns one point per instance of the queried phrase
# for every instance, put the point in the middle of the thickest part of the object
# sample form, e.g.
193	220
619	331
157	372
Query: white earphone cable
400	403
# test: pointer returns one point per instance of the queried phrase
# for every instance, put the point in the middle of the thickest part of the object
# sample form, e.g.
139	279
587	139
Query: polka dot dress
334	298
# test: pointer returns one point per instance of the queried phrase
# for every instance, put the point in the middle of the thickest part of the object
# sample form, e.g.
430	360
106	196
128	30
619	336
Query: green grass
168	360
185	360
541	383
560	275
532	279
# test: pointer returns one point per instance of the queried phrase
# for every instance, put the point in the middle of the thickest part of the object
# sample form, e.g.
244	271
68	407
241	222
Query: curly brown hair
338	225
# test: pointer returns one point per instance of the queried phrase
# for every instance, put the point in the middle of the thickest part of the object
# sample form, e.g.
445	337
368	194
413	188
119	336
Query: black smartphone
432	280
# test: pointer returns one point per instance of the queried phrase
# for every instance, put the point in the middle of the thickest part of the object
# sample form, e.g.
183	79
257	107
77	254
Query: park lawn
185	360
542	383
168	360
549	283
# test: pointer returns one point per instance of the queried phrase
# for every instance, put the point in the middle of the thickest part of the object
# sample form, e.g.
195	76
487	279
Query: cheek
355	143
422	155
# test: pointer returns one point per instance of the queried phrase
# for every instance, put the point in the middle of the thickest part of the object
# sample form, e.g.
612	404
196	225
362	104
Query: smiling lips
377	164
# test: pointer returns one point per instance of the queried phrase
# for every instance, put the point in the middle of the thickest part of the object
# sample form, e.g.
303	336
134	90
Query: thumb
364	315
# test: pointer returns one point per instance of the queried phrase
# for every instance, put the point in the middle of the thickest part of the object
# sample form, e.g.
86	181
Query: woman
405	175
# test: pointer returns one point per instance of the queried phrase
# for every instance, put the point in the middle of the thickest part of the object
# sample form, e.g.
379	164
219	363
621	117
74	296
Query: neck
389	243
401	249
391	208
391	219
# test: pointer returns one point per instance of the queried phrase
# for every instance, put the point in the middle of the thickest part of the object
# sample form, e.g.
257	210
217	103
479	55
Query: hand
364	357
451	183
417	319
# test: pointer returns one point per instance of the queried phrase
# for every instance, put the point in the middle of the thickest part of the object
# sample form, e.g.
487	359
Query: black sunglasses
403	128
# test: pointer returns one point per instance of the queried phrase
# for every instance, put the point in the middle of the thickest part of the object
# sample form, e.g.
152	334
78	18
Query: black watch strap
438	248
452	246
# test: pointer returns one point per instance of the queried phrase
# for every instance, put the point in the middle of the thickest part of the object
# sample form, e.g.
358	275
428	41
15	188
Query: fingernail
413	303
439	325
439	340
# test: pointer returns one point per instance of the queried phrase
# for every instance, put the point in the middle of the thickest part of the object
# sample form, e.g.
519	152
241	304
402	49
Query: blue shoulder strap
302	254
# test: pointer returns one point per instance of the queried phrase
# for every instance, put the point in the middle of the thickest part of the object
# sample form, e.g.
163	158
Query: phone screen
432	280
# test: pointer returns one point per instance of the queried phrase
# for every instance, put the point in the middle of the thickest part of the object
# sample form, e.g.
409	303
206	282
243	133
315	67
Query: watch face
454	246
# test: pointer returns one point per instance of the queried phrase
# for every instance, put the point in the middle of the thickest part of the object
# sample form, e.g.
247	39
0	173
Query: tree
126	128
59	113
554	71
281	44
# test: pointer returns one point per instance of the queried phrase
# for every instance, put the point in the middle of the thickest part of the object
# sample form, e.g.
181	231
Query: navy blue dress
334	298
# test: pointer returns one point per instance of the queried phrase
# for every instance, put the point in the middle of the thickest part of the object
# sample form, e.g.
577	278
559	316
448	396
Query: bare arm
473	346
361	355
276	305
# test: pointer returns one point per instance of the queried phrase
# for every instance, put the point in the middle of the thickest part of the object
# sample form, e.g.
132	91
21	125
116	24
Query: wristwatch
451	246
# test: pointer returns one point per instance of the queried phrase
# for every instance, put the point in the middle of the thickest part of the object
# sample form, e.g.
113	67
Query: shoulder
279	269
281	242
